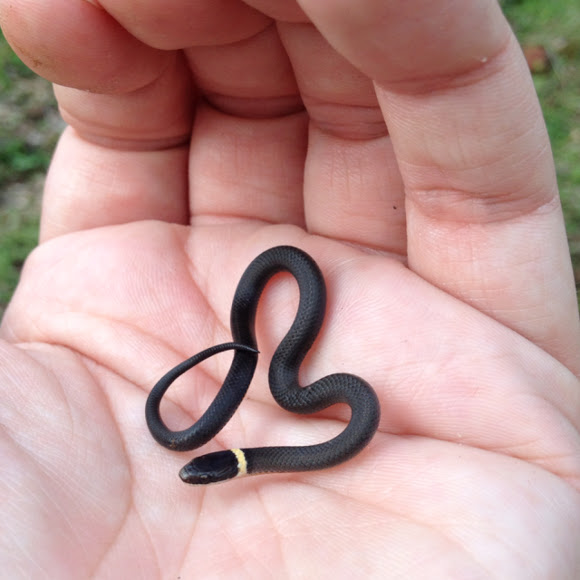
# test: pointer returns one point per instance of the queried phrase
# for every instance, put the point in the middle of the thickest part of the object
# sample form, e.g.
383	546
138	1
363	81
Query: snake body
283	379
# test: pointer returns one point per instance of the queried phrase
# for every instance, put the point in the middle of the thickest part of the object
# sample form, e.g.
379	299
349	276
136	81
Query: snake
339	388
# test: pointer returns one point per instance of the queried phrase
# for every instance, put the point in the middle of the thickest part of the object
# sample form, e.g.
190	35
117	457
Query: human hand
444	252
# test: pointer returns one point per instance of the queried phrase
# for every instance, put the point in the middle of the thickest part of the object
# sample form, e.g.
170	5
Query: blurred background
549	33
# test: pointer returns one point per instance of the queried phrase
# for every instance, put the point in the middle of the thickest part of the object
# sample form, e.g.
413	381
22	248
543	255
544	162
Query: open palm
442	244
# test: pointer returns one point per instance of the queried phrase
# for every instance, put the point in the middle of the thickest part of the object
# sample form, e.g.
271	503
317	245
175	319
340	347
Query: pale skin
401	145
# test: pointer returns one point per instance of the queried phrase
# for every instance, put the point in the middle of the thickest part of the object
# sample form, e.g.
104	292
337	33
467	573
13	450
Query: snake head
214	467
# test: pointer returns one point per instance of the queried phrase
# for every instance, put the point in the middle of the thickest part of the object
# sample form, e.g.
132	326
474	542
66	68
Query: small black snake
283	379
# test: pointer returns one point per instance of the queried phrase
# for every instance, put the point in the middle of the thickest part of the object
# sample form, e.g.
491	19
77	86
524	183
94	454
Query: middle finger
352	186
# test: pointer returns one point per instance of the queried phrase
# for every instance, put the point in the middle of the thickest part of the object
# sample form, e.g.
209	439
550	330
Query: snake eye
210	468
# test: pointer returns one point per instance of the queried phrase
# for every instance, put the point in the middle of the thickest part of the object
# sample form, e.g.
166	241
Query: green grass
18	235
554	25
27	138
19	160
12	69
22	120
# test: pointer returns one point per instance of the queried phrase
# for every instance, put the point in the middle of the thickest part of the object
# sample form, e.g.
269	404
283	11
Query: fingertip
79	45
179	24
399	42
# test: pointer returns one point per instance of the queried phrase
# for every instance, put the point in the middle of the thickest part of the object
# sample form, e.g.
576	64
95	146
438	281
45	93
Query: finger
249	142
176	24
78	44
352	186
483	214
285	11
90	186
125	157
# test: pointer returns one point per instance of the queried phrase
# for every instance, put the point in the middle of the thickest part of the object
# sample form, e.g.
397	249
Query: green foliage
26	142
537	20
18	235
12	69
18	159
